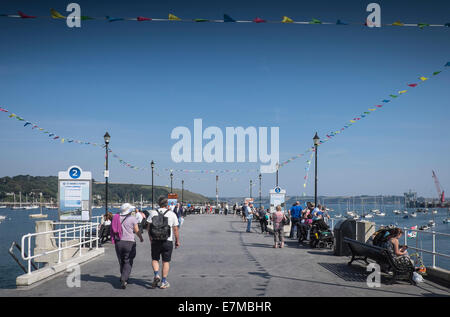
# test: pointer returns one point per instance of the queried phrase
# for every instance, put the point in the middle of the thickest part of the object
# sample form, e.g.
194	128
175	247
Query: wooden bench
364	251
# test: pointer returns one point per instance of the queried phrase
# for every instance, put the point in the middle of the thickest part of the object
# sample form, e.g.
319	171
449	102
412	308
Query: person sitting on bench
399	253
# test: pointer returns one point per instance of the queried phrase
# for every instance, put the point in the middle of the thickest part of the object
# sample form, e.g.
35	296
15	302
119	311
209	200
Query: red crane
438	188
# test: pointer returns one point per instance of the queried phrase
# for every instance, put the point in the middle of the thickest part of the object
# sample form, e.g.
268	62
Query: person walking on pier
295	212
262	220
123	228
278	227
163	228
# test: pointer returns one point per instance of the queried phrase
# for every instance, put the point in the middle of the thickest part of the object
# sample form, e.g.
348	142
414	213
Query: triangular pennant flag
287	20
143	19
385	100
339	22
19	118
227	18
3	110
56	15
25	16
258	20
447	65
422	25
412	85
423	78
111	19
393	96
402	91
398	23
62	140
173	17
315	21
27	123
56	137
435	73
201	20
379	106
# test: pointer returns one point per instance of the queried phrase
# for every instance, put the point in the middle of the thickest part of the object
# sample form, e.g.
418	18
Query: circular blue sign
277	190
75	172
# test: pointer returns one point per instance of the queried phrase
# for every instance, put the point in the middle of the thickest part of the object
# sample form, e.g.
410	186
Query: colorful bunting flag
227	18
287	20
173	17
315	21
258	20
56	15
140	19
25	16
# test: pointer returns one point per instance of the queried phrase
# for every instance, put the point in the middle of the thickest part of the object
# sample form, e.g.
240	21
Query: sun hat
126	208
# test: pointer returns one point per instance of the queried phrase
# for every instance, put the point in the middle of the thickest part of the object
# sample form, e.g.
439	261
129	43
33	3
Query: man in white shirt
163	248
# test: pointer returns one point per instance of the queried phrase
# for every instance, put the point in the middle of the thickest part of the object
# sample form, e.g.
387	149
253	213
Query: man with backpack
162	229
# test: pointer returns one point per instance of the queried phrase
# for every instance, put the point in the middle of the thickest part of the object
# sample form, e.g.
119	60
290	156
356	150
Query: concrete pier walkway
218	258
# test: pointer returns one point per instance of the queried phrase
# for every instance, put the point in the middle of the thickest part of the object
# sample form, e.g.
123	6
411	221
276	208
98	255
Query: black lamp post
182	191
152	164
251	188
106	137
171	182
316	140
277	176
260	200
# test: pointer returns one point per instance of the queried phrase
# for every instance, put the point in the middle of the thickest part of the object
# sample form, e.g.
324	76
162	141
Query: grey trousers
126	252
278	235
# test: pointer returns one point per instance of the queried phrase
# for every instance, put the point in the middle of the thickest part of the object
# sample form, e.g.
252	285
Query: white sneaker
165	285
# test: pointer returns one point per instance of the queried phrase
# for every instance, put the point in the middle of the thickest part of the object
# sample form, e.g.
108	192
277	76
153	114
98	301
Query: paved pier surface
218	258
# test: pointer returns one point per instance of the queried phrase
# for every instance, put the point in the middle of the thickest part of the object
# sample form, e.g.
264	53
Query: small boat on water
31	207
431	223
338	216
405	212
434	212
414	215
367	216
405	216
397	212
424	227
381	214
376	211
2	217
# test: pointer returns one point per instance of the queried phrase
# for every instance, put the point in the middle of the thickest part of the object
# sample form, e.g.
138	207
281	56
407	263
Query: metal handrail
80	229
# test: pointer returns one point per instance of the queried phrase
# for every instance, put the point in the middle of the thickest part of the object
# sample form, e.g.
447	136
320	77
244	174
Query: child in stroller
320	235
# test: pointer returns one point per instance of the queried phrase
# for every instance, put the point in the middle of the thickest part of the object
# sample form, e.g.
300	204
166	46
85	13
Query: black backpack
159	227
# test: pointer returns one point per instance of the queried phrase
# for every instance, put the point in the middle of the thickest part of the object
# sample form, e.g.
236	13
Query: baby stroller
320	235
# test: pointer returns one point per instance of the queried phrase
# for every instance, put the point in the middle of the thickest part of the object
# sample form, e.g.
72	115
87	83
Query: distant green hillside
48	186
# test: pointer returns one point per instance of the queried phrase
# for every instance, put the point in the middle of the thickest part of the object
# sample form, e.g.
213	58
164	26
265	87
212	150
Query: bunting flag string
123	162
226	19
308	165
365	114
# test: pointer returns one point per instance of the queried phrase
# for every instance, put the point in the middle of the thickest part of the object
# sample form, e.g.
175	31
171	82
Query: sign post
74	195
172	200
277	197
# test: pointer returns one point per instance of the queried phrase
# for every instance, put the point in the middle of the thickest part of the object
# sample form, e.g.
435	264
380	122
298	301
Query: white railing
433	252
73	231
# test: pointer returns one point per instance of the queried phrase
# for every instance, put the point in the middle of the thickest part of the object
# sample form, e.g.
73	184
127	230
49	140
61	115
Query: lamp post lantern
316	140
152	164
107	138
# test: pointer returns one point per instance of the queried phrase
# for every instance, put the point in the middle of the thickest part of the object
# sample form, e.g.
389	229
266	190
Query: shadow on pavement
114	281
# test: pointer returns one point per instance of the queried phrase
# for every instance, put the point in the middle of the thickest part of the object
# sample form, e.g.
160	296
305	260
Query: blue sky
140	80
